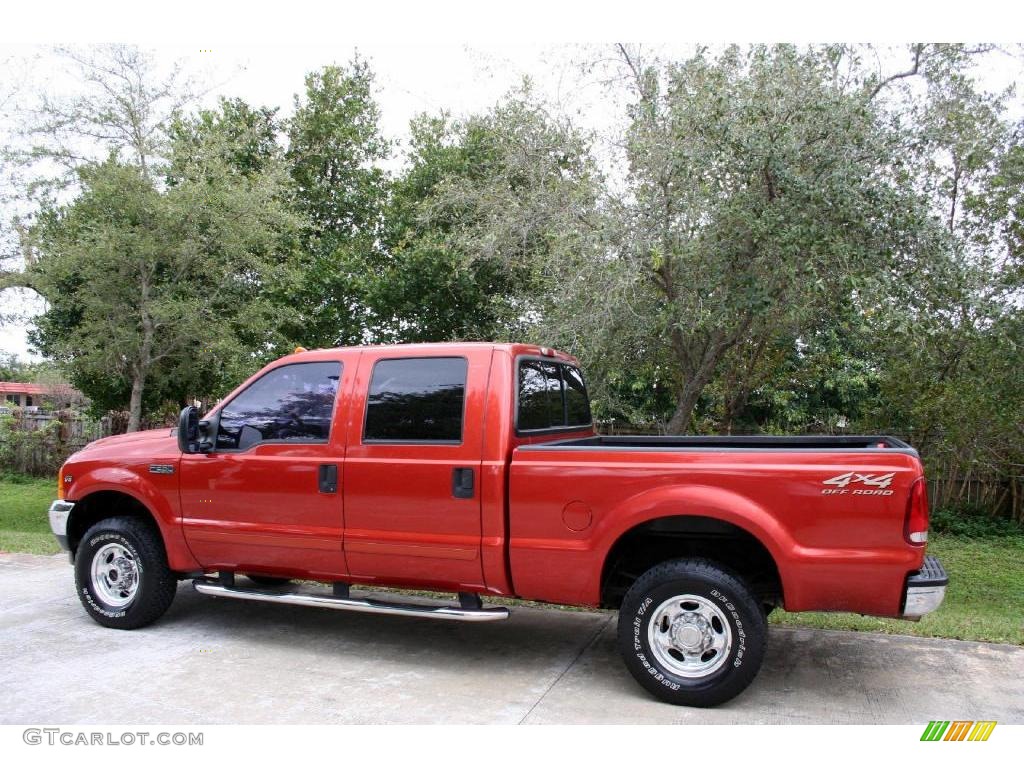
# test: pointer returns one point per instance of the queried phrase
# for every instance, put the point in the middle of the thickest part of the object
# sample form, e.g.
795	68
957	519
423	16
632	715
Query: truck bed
829	509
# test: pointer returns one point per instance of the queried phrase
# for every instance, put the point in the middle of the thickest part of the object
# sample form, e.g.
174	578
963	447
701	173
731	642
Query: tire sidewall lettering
741	635
731	599
639	633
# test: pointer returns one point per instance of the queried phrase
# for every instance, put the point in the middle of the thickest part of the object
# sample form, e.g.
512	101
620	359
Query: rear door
412	470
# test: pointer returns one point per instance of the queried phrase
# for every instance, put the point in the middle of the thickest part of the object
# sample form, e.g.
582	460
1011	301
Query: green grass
24	526
984	600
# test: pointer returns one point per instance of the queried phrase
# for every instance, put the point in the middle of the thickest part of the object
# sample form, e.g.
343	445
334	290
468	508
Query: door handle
328	478
462	483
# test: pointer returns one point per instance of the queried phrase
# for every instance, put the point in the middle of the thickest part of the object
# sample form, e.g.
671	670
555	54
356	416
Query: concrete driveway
226	661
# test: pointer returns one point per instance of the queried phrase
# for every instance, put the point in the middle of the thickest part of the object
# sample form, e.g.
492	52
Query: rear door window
417	400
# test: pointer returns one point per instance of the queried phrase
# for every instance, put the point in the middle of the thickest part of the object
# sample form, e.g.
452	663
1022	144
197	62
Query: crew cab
474	469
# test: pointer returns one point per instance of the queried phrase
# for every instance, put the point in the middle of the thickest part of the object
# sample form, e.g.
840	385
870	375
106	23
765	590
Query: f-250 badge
871	485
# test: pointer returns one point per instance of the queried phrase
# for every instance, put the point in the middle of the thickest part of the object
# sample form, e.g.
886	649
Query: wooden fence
37	443
993	494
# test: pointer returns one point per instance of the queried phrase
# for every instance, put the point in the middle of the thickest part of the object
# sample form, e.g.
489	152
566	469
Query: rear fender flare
697	501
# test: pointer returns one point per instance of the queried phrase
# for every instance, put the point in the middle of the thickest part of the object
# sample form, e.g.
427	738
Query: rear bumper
59	513
925	589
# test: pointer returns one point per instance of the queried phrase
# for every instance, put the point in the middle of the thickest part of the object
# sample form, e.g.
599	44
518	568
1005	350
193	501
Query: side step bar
362	605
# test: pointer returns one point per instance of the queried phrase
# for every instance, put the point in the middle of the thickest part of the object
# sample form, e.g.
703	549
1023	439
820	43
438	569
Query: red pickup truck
475	469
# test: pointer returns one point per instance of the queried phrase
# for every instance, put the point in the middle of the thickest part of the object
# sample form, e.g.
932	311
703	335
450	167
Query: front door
412	470
267	499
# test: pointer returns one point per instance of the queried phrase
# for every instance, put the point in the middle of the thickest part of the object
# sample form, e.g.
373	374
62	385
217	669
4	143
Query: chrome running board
362	605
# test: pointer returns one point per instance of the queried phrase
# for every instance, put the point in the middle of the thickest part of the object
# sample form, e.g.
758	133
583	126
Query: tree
246	135
166	275
448	272
334	146
13	369
121	107
760	195
951	338
155	294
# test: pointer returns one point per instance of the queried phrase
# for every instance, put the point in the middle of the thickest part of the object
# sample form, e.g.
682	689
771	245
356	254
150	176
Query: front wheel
121	573
692	633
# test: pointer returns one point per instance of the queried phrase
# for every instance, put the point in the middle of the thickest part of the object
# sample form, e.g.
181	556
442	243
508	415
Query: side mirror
188	430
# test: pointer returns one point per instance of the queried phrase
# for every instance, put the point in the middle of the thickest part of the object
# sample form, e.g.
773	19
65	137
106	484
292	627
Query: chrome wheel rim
689	636
115	575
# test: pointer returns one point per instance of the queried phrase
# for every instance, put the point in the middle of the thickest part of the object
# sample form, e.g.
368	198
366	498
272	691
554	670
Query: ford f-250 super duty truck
475	469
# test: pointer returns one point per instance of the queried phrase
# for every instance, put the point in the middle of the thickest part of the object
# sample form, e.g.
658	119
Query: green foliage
822	381
155	295
475	220
244	137
13	369
776	239
761	197
972	521
950	337
334	145
26	450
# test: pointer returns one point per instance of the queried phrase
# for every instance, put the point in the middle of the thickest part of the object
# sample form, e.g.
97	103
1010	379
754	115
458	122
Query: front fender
158	494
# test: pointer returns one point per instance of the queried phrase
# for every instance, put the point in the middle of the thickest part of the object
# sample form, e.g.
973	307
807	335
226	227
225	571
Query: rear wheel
121	573
692	633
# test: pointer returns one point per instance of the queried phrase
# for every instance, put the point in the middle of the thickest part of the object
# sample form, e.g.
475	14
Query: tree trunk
135	404
693	386
685	405
141	367
698	377
733	405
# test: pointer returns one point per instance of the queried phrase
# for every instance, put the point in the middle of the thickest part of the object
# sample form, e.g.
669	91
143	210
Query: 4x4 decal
870	485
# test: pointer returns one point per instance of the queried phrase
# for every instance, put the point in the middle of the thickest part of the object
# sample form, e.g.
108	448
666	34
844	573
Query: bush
970	520
16	478
26	448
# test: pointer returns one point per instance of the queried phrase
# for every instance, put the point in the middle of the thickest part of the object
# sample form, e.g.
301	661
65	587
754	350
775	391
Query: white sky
447	73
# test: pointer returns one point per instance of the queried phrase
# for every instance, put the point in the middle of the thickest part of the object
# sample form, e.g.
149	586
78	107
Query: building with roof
18	394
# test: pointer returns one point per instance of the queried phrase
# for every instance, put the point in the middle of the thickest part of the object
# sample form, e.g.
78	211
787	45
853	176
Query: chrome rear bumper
925	589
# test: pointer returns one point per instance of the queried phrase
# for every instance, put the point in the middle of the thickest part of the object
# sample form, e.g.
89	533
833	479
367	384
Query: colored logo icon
958	730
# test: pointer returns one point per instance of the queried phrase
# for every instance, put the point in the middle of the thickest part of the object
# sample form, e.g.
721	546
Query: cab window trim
364	440
519	360
214	417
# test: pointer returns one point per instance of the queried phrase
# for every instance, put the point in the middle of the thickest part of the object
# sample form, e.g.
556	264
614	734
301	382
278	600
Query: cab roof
439	348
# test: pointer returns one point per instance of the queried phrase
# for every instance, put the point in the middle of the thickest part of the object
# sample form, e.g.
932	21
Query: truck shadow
546	665
528	636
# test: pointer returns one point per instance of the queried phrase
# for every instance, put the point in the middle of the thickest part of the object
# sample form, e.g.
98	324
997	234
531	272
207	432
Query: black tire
143	550
737	626
267	581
